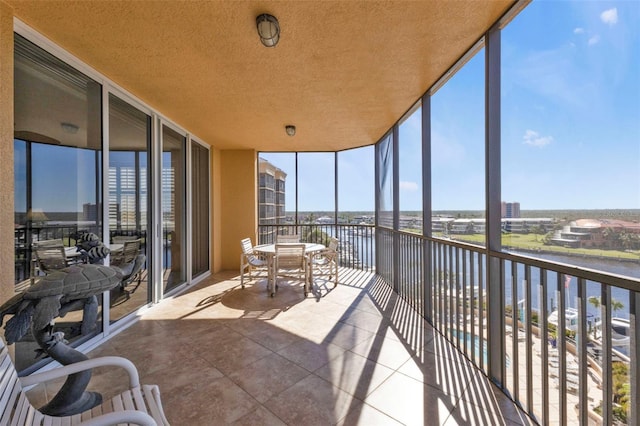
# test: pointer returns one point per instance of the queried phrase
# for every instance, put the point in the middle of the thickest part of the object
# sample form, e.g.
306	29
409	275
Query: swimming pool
476	346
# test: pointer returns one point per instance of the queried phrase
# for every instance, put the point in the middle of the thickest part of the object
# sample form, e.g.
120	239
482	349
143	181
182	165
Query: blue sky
570	120
571	105
570	98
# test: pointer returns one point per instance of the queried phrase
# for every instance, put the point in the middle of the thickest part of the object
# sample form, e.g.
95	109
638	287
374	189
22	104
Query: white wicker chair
250	261
140	404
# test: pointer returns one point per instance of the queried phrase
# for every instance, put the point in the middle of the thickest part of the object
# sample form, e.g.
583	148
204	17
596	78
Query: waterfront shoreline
570	254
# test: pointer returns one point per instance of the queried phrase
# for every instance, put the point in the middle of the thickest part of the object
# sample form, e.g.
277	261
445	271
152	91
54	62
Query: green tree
615	305
595	301
313	234
621	389
536	230
470	229
612	237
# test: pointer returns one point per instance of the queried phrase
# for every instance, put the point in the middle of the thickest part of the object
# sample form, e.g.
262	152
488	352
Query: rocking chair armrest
324	253
76	367
118	417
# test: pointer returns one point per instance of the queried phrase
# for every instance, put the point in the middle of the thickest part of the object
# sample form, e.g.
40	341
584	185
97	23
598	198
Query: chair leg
242	270
139	279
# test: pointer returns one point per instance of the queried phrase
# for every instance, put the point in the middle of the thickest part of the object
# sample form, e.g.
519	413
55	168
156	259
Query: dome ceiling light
268	29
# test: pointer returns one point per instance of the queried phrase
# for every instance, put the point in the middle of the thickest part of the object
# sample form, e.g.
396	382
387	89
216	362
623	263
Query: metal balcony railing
567	344
356	249
25	236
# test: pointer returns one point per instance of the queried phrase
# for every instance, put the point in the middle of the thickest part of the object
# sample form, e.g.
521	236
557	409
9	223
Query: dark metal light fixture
268	29
291	130
69	128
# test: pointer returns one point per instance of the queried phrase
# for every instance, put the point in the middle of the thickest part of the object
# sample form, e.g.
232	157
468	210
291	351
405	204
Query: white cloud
531	137
593	40
610	16
578	30
408	186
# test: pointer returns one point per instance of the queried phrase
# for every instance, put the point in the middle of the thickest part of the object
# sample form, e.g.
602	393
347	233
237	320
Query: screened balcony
357	355
454	306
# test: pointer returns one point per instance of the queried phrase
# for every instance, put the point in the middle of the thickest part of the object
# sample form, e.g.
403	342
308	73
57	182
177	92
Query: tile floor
353	355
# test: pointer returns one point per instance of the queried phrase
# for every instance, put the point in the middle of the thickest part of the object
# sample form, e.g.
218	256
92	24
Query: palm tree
615	305
595	301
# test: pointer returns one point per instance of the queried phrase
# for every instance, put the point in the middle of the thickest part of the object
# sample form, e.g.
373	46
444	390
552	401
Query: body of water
364	248
612	266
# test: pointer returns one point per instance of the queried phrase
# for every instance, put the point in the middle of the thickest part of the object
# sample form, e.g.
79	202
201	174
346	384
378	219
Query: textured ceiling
342	73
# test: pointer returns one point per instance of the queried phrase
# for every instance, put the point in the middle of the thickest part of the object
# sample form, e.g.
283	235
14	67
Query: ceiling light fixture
291	130
69	128
268	29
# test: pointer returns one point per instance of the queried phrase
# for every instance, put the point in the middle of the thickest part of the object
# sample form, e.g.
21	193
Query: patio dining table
269	251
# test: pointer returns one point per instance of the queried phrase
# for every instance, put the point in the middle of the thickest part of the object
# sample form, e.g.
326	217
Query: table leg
271	282
309	276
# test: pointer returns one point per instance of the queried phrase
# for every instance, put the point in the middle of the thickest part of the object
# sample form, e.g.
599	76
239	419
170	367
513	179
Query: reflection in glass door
58	180
173	208
129	142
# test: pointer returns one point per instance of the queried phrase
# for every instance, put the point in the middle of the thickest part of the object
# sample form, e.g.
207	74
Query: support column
7	247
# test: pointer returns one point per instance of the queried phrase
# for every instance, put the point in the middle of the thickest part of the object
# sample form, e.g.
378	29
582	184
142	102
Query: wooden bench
140	404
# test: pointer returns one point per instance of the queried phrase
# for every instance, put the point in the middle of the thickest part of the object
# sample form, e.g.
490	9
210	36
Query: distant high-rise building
271	197
510	210
91	211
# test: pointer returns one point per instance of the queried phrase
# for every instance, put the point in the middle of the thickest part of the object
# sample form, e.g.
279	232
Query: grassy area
534	242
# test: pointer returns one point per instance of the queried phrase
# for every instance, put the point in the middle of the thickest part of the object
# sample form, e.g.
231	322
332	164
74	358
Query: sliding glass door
173	208
129	148
58	177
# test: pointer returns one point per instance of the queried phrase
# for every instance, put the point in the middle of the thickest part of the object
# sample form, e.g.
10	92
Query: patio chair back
49	255
333	245
130	250
290	260
290	238
249	261
325	263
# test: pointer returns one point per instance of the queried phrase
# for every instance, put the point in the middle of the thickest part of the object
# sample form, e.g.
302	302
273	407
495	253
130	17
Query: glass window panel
410	159
458	156
58	171
571	133
21	183
173	208
130	137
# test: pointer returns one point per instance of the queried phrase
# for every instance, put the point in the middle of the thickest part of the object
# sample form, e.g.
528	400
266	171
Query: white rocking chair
140	404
